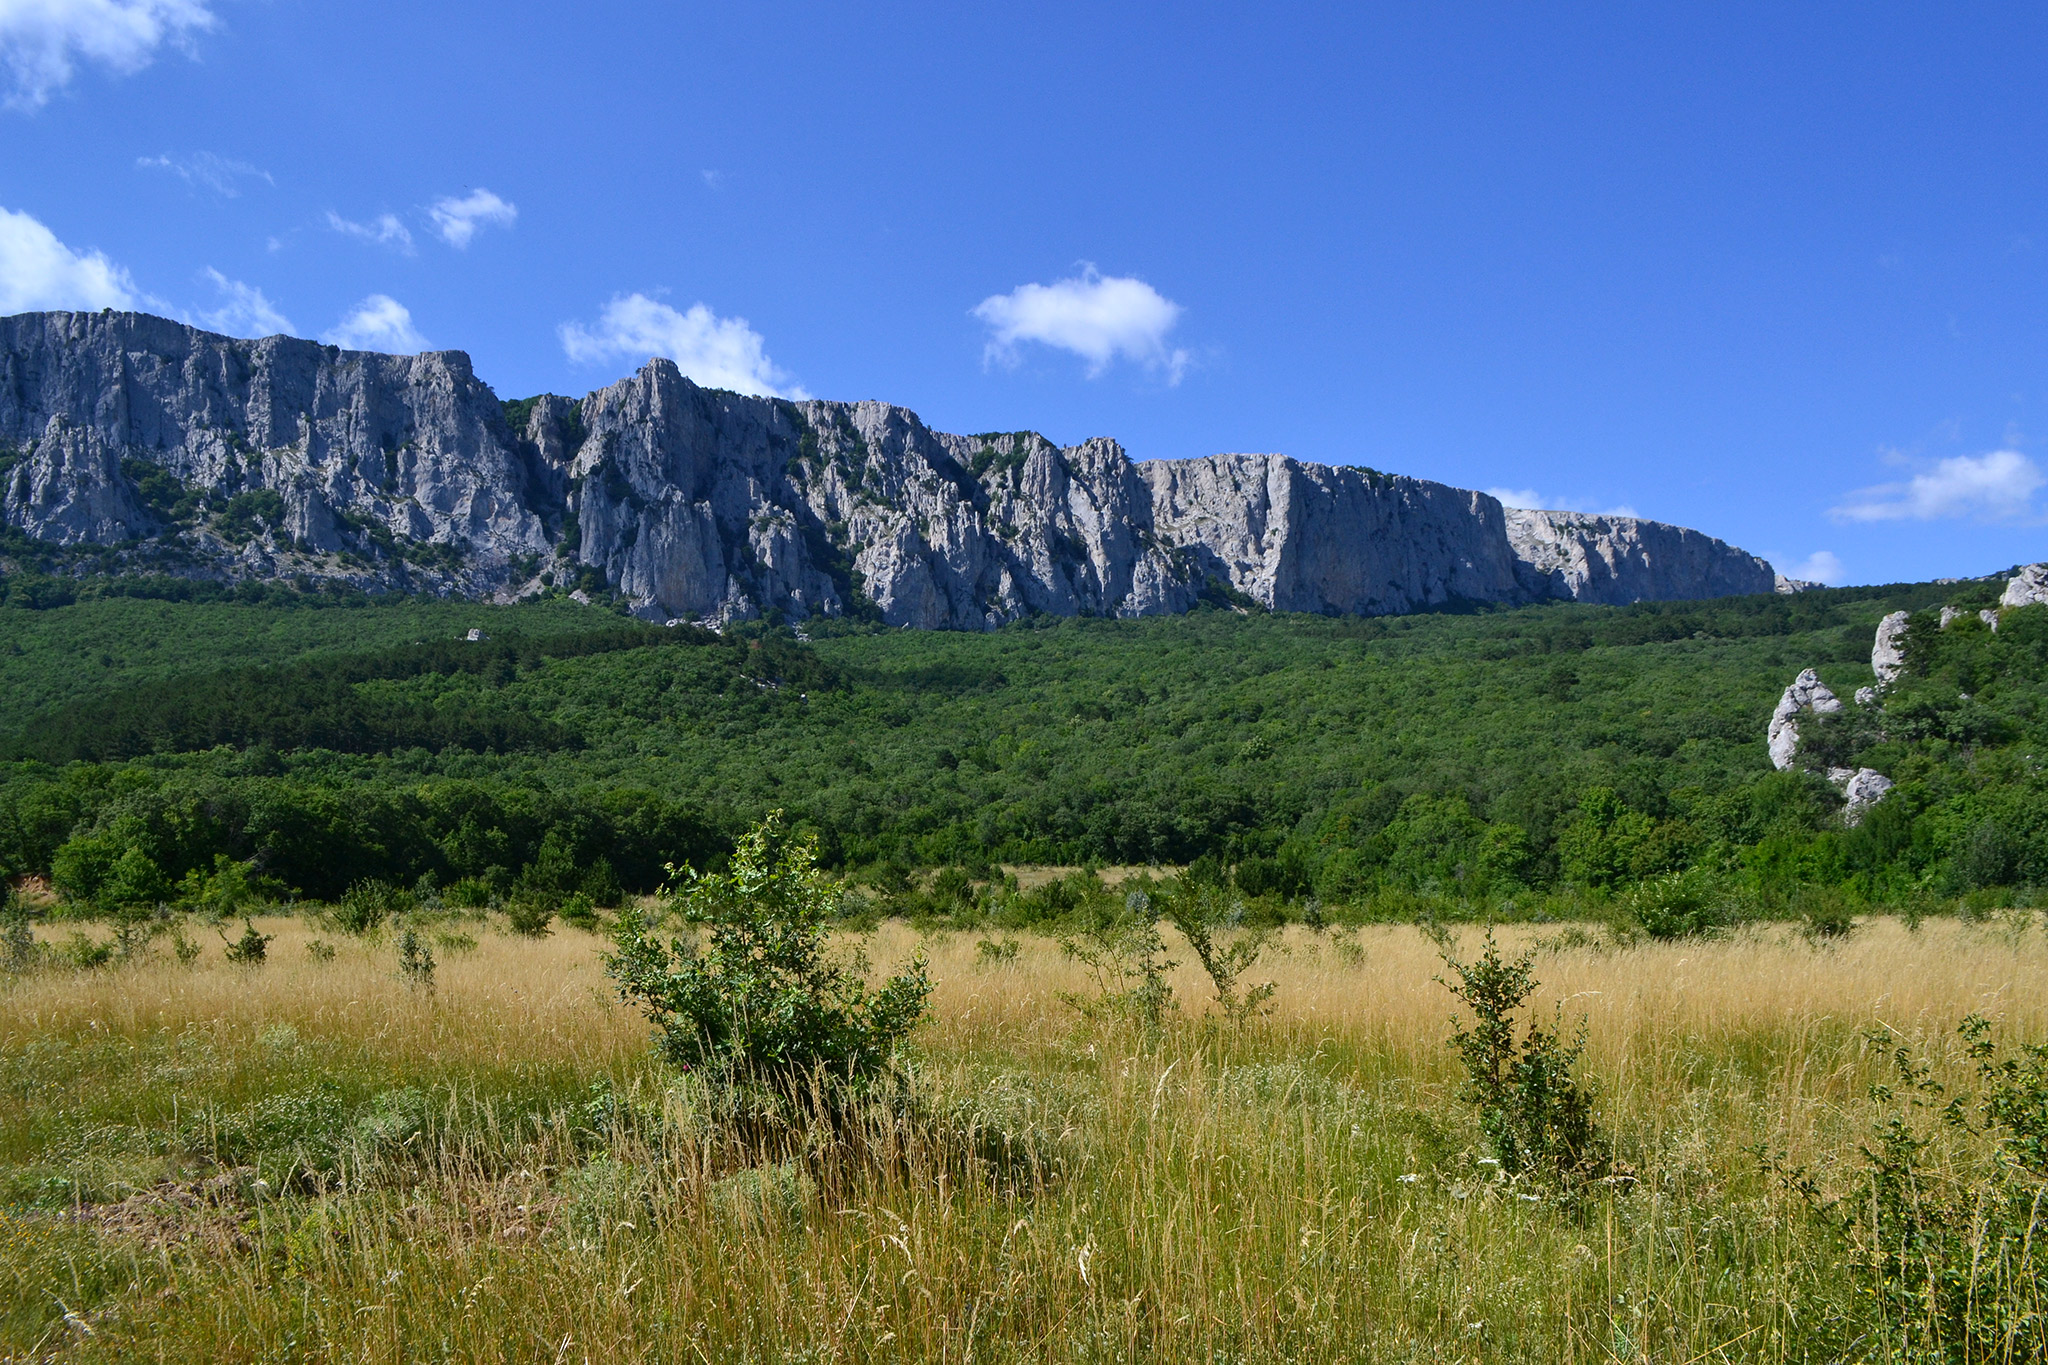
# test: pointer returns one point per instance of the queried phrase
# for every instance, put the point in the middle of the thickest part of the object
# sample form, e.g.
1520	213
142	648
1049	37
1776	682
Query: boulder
1863	788
1807	693
2028	587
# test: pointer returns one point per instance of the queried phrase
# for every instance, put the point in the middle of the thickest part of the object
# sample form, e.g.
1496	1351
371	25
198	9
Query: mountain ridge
213	456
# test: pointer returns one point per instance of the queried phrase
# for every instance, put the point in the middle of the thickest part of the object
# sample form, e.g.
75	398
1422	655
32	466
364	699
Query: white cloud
713	179
379	323
719	353
243	311
205	170
37	272
385	231
1516	497
1097	317
1999	486
458	219
42	41
1822	566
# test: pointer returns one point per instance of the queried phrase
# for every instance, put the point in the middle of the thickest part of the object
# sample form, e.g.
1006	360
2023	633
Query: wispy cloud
1097	317
384	230
205	170
1999	486
379	323
457	220
719	353
37	272
243	310
43	41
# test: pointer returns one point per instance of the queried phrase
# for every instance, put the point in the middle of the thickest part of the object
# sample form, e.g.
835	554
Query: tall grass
309	1159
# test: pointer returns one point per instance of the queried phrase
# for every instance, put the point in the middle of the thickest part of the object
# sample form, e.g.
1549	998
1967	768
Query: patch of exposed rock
1862	788
1888	650
2027	588
1807	694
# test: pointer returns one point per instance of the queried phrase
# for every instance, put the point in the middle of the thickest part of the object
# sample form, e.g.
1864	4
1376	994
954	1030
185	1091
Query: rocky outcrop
1806	694
361	449
2027	588
1888	650
1862	788
274	457
1589	558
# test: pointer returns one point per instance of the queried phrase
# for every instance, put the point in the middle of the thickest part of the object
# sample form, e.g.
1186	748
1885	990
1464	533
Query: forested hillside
1452	763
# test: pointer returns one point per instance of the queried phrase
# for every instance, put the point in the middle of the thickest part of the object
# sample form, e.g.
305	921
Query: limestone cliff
197	453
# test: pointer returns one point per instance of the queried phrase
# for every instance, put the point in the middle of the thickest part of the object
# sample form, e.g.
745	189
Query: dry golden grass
1202	1193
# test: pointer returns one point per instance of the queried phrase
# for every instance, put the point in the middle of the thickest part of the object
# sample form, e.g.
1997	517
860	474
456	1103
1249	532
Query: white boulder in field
1807	693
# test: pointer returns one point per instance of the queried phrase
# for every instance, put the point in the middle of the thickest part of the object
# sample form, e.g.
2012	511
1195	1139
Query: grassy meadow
311	1158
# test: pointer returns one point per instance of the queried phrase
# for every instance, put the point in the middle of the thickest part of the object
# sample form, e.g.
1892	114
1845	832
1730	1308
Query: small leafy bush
365	906
529	916
86	953
1947	1222
1679	905
760	1005
415	961
578	912
1121	948
251	948
996	952
1213	926
470	893
1535	1112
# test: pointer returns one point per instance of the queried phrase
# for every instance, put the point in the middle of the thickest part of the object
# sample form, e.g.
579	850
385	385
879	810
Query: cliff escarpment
184	451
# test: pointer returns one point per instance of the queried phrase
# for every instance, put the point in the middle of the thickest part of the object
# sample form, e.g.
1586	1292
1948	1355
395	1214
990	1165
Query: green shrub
1121	948
415	961
578	912
86	953
251	948
761	1005
529	915
469	893
1679	905
1948	1243
1213	926
365	906
1535	1113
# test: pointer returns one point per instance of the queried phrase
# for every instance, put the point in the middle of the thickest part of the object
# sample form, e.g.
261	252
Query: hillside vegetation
1508	762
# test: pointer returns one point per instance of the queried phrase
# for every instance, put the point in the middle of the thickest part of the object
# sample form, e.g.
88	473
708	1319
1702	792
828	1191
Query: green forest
156	739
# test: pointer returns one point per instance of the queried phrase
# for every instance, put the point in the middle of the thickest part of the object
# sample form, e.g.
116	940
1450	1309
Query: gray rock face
1806	694
1863	788
1888	650
1617	560
2028	587
701	505
355	444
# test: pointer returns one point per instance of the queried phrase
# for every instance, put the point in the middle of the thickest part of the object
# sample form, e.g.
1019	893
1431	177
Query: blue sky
1777	272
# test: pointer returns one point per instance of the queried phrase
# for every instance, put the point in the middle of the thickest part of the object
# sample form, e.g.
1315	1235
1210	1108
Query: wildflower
1410	1178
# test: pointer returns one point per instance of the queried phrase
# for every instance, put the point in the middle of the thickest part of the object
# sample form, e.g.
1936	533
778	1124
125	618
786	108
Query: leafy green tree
761	1004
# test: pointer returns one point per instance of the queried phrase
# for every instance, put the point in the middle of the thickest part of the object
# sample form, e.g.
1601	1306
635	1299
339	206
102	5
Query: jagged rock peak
285	457
1806	694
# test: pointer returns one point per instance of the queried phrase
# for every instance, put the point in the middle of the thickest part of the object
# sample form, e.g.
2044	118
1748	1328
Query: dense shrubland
1545	762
